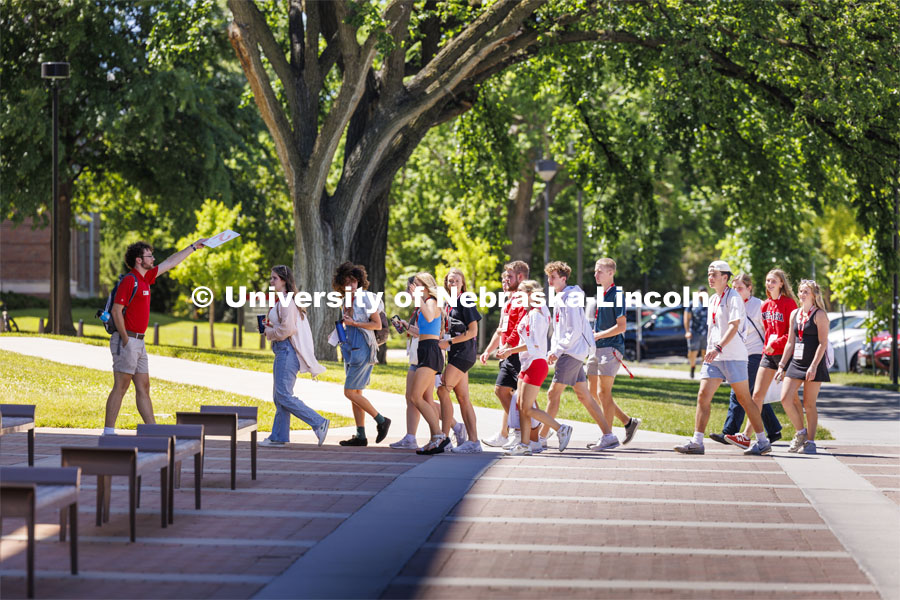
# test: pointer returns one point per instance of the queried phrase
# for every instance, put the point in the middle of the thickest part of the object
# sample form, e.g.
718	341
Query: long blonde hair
426	280
813	287
786	289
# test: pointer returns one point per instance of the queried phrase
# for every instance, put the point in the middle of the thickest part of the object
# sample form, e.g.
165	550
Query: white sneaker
270	443
607	442
565	434
543	441
470	447
322	430
407	443
536	447
498	441
459	432
514	439
519	450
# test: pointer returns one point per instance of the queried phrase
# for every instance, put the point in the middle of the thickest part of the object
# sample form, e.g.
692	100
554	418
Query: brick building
25	258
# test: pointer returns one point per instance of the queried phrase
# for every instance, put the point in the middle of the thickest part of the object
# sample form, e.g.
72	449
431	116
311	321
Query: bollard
241	335
262	341
194	341
156	334
234	338
41	325
80	328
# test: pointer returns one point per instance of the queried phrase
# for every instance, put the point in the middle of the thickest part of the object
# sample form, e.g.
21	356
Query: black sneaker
774	437
719	437
432	448
355	441
382	430
630	429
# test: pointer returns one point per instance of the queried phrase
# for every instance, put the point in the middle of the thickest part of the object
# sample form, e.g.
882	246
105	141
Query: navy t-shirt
698	320
460	317
606	317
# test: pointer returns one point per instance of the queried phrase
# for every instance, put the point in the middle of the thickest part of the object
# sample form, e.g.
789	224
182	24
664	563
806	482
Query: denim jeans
736	413
286	403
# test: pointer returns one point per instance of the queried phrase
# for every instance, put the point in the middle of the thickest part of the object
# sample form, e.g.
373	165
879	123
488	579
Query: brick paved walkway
641	522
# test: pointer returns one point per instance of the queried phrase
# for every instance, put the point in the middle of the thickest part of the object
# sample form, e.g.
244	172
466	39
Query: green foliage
235	263
471	254
858	283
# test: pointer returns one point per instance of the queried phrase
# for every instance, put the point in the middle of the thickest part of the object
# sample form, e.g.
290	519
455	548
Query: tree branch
391	75
269	107
248	17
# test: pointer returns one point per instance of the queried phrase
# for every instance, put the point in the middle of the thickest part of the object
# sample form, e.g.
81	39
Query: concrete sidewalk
320	395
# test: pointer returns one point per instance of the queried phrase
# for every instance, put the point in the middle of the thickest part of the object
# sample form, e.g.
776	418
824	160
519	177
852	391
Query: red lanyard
719	298
801	323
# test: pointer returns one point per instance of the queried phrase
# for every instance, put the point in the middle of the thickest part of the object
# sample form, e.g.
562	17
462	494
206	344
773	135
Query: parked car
876	354
847	335
662	334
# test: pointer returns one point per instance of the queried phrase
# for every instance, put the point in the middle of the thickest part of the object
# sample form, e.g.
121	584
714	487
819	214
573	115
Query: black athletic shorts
509	372
430	355
461	363
770	362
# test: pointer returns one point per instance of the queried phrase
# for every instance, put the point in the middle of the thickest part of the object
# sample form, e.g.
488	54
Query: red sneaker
739	439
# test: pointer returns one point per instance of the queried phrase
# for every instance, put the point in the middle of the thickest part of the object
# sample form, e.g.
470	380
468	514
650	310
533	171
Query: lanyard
718	303
801	323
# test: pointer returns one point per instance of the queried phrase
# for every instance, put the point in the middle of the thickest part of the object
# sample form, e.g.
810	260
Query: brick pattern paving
879	465
641	536
267	526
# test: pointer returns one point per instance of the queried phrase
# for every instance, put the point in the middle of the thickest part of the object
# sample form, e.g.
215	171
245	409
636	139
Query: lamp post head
54	70
546	169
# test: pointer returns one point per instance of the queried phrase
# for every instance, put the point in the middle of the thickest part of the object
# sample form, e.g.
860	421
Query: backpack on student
103	314
381	335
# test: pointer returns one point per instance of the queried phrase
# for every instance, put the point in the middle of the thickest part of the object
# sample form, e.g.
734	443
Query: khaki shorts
602	362
569	370
129	358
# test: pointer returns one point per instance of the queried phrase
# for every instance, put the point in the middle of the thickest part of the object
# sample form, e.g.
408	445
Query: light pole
546	169
55	71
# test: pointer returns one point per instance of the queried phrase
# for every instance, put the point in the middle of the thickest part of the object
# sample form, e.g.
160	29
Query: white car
847	335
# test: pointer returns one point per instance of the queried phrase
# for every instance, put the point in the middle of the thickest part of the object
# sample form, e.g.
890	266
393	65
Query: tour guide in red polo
131	314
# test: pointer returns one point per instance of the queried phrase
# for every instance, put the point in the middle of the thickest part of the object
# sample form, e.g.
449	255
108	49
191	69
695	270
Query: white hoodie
572	332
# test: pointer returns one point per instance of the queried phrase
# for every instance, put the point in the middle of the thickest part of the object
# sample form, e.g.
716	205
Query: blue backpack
103	313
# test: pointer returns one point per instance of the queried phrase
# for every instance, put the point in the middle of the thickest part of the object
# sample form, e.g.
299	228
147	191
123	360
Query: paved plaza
638	522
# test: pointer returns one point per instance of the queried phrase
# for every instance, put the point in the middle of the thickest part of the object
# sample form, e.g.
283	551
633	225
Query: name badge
798	351
504	322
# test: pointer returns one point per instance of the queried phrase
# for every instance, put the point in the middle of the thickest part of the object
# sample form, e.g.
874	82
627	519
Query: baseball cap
720	265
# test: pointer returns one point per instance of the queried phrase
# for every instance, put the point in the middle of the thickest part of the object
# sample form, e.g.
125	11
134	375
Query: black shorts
430	356
770	362
509	372
463	363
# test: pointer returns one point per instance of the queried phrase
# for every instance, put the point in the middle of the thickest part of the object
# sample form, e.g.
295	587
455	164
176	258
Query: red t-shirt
137	315
776	316
509	324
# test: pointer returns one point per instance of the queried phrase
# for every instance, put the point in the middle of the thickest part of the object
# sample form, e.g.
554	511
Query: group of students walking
749	344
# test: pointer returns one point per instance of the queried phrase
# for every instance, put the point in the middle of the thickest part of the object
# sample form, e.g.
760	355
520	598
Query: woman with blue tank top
431	360
359	352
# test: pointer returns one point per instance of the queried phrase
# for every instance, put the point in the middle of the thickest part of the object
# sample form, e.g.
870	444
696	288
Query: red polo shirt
137	315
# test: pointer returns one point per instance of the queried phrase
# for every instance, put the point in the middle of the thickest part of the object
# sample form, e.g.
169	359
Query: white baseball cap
721	266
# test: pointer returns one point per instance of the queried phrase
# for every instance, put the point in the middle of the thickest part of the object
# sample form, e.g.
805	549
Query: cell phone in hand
261	323
398	325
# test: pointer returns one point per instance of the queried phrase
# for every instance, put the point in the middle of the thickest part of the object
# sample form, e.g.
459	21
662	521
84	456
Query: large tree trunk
369	247
523	218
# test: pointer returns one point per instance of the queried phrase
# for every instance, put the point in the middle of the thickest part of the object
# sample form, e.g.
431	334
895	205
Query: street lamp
546	169
55	71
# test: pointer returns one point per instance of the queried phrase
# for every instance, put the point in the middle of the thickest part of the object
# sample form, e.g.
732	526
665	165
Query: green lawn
68	396
665	405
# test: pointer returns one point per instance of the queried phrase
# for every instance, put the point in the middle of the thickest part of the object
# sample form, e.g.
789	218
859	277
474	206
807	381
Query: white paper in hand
220	238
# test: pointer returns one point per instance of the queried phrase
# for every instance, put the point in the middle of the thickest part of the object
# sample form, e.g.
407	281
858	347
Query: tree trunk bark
522	224
63	258
369	247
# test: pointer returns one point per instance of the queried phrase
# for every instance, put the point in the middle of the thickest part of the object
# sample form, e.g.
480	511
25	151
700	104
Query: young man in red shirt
131	315
507	336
